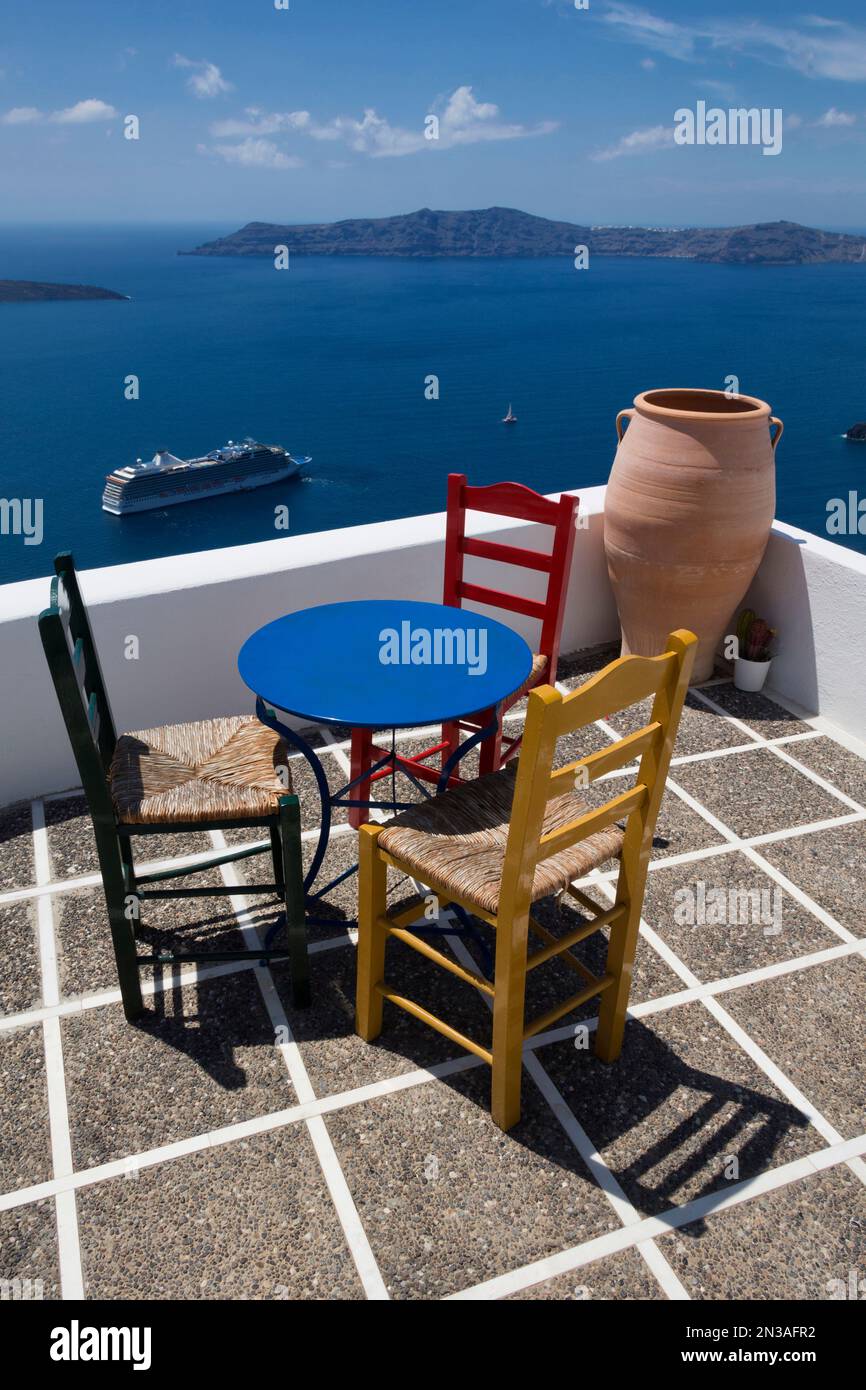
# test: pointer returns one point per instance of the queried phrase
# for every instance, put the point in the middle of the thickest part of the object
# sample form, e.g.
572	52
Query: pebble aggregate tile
700	730
20	975
834	763
84	950
800	1242
448	1200
812	1024
756	793
72	848
28	1251
723	916
828	865
246	1220
17	869
762	714
203	1057
25	1141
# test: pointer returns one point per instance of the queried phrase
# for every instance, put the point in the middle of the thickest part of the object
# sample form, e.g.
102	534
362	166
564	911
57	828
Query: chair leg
277	856
293	893
127	860
451	739
490	750
361	758
122	931
614	1001
508	1006
372	904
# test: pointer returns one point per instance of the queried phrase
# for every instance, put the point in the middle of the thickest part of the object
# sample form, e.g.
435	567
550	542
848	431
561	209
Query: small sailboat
510	418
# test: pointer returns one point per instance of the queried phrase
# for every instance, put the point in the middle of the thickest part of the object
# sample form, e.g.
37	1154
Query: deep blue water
329	359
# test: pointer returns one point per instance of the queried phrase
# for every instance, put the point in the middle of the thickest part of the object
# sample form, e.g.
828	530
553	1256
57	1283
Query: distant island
495	232
33	291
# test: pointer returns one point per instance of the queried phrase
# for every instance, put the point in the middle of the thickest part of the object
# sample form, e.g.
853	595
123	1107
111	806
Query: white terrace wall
814	593
192	613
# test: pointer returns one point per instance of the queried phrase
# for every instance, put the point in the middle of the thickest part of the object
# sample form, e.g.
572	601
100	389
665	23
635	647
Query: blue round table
336	665
376	664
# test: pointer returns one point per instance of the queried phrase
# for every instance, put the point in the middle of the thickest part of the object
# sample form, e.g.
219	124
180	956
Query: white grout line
68	1243
578	1136
170	980
242	1129
769	869
816	778
849	1151
341	1100
774	837
779	751
757	1054
71	885
613	1242
347	1213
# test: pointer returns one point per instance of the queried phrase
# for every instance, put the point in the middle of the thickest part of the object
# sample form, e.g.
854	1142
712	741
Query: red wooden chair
498	499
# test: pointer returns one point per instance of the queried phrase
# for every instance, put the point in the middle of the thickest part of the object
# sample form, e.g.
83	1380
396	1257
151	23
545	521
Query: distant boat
166	479
510	418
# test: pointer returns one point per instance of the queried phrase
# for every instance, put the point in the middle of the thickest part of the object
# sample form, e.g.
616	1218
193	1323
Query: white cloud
836	118
260	154
21	115
661	35
656	137
85	111
462	121
258	122
818	48
205	78
648	63
82	113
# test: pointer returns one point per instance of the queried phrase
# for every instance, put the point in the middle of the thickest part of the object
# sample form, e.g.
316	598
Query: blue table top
383	663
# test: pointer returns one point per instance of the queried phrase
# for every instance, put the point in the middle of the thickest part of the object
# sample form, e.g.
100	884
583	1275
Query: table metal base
330	799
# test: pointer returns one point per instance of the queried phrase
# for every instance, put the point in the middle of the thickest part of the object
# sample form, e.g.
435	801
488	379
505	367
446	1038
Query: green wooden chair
216	774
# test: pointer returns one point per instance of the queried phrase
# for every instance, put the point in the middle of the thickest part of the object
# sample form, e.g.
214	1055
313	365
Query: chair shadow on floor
228	1012
717	1131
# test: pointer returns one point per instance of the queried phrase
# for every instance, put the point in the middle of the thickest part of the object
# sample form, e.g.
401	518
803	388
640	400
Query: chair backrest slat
589	769
513	603
73	661
507	499
507	554
549	716
582	826
521	503
623	683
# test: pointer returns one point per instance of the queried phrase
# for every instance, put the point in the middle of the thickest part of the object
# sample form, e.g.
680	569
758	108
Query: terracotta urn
687	515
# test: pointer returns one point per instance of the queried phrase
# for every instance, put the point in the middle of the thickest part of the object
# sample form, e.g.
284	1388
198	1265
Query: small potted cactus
754	639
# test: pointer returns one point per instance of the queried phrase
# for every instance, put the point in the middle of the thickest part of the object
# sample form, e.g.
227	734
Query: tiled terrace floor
230	1148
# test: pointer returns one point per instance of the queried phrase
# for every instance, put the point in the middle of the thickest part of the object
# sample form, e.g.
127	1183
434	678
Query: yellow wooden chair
496	845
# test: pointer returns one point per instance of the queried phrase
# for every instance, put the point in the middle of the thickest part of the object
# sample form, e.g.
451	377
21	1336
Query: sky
322	110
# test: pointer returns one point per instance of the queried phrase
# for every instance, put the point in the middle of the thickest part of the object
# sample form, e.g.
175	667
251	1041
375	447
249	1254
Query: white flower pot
750	675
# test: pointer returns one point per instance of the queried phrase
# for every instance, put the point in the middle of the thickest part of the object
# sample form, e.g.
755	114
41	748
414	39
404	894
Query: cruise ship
165	480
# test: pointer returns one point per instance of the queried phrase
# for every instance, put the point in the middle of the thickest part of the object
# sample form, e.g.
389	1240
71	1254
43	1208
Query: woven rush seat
539	664
458	839
211	769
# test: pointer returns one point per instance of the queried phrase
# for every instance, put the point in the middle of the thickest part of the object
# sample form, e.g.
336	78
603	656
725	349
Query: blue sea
330	357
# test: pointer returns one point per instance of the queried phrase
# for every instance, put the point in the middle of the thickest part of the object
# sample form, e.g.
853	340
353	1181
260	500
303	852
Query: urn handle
627	415
774	420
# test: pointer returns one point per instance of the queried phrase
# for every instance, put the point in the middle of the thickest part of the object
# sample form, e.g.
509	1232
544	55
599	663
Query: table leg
362	744
268	717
